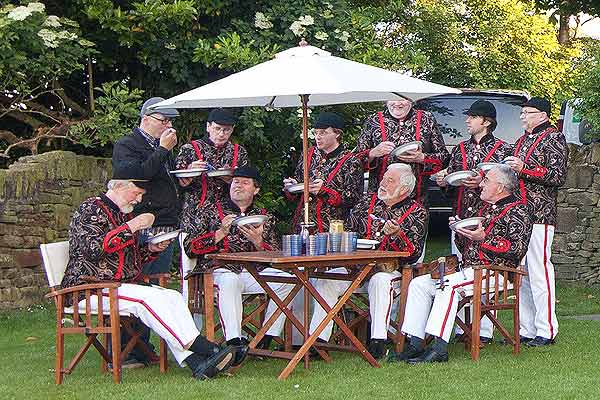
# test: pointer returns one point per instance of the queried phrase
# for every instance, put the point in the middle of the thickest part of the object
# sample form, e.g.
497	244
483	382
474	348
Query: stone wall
576	248
37	197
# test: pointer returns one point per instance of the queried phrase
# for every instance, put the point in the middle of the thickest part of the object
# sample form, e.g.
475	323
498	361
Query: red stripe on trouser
387	314
450	304
548	282
151	311
220	319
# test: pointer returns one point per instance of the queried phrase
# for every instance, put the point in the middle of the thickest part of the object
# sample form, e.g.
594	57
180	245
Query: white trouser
422	257
230	287
162	310
537	301
453	247
381	288
432	311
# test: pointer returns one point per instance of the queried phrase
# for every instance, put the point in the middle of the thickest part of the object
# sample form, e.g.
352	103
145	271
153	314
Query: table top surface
277	257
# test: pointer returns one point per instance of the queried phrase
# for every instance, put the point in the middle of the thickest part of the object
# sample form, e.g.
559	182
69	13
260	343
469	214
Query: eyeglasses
322	132
531	112
222	129
164	121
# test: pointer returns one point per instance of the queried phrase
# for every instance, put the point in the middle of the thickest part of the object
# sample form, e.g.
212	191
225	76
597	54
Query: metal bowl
366	244
220	172
467	223
250	220
161	237
188	173
410	146
457	178
486	166
295	188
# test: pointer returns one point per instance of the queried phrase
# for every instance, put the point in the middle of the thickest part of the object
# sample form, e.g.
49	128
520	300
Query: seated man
210	230
103	245
501	239
403	222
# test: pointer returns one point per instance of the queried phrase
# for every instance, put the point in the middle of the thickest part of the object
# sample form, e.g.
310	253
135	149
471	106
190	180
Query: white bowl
187	173
467	223
250	220
486	166
410	146
161	237
457	178
366	244
295	188
220	172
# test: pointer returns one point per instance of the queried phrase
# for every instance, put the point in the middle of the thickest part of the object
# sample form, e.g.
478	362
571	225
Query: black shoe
540	341
265	342
377	348
459	338
485	340
409	352
313	354
240	345
523	339
430	356
211	366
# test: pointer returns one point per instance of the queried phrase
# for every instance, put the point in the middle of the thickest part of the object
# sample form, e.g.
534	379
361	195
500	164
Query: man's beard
387	196
126	209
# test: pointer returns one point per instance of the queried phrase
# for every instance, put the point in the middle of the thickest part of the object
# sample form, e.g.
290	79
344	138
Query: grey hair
507	177
407	177
117	183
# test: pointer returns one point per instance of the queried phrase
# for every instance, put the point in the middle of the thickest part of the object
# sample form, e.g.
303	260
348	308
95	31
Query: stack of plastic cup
322	243
347	240
292	245
335	242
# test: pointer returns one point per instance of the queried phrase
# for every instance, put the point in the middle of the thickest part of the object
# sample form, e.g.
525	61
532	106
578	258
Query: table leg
306	317
331	314
209	306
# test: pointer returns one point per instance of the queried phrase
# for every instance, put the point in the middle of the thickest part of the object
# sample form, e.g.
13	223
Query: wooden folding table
359	265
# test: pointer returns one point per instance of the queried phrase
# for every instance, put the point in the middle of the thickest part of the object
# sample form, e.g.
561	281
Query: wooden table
359	265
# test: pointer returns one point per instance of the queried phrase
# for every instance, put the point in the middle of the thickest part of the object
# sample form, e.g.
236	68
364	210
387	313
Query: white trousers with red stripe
537	301
230	288
432	311
381	288
162	310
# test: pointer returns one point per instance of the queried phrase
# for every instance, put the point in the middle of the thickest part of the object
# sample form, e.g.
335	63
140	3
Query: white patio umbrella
305	76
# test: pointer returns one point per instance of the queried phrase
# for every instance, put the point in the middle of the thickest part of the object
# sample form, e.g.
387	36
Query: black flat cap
329	120
247	171
126	173
538	102
222	116
481	108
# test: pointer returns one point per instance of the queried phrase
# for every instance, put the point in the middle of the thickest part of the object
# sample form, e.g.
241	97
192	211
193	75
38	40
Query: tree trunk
563	28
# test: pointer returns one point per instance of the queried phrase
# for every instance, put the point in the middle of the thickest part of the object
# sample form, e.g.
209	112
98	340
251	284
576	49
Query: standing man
398	124
104	244
147	153
540	158
404	229
211	229
213	150
501	239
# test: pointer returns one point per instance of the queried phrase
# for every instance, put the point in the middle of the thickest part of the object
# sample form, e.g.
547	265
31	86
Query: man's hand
382	149
515	163
183	182
472	182
225	227
160	246
439	178
140	222
253	234
414	156
288	182
315	186
391	228
168	139
476	235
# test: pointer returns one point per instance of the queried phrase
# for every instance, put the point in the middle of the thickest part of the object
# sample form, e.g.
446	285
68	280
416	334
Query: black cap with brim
538	103
222	116
481	108
167	112
329	120
247	171
126	173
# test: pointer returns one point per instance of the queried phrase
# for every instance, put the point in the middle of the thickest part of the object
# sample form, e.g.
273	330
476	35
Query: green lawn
567	370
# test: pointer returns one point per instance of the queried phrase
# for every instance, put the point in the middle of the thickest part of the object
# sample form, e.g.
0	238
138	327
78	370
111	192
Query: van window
448	111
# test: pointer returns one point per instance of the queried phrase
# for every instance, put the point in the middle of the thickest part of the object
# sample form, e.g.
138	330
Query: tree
564	10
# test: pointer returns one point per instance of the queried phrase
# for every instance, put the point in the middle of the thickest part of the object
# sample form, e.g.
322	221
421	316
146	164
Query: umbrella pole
304	99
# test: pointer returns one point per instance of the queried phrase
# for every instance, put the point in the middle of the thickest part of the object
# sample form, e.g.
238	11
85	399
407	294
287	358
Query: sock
440	345
417	342
235	342
193	361
203	347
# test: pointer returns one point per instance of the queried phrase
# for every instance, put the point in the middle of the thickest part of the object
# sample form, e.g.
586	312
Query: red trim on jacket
221	216
335	199
369	219
198	247
203	176
502	247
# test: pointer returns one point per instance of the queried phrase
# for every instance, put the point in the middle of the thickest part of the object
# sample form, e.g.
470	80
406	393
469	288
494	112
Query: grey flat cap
167	112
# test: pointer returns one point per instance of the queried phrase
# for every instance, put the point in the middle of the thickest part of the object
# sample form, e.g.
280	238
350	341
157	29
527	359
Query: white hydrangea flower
321	35
343	36
261	21
297	28
306	20
19	13
311	133
327	14
66	35
52	21
36	7
299	112
49	37
170	46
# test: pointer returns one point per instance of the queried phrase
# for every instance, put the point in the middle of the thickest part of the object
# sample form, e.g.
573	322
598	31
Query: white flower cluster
342	35
170	46
52	39
52	21
261	21
22	12
299	27
321	35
